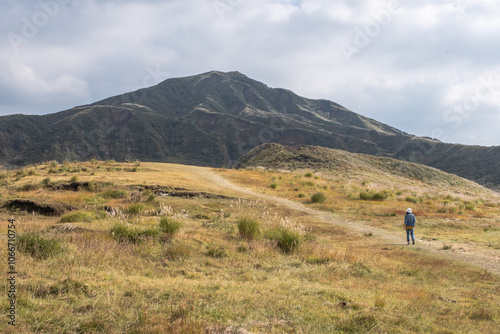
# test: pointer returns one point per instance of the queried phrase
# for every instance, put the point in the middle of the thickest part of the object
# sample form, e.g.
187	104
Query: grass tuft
77	217
37	246
287	239
170	226
318	198
124	233
136	209
249	228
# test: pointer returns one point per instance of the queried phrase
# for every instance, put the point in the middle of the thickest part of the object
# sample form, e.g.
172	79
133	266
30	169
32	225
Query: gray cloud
414	62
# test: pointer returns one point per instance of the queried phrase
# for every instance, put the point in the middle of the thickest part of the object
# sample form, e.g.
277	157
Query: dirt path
466	252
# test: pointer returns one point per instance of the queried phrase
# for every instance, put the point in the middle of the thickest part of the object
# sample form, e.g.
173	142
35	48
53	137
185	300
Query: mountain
212	119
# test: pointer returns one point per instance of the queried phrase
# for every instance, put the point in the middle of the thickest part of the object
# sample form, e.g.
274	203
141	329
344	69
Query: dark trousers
409	232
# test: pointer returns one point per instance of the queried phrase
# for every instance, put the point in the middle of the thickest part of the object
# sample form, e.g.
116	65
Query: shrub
412	199
77	217
248	228
374	196
170	226
308	174
318	198
273	186
286	238
302	195
38	246
123	233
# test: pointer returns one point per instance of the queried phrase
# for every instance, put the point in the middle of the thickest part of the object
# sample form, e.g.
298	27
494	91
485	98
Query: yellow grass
208	279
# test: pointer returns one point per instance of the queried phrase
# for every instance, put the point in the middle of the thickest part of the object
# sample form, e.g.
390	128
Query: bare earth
466	252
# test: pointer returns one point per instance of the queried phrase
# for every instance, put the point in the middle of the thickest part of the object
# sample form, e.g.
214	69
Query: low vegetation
125	233
249	228
170	226
38	246
318	198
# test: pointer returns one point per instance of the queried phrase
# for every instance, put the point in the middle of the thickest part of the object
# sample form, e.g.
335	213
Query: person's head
408	211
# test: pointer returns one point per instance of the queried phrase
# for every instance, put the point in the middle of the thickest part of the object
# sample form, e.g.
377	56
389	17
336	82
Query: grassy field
160	248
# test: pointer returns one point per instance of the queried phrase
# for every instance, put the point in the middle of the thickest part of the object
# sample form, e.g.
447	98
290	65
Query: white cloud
414	65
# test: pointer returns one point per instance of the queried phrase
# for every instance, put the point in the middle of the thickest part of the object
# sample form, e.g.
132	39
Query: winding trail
466	252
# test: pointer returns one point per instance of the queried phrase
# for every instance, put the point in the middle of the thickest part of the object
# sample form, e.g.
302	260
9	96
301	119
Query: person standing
409	226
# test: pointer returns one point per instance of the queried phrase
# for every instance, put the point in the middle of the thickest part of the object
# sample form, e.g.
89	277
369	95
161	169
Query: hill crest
275	156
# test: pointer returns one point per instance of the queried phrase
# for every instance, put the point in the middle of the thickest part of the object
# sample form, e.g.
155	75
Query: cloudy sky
429	68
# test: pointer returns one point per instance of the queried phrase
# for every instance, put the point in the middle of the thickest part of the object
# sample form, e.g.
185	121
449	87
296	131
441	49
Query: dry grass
456	214
206	279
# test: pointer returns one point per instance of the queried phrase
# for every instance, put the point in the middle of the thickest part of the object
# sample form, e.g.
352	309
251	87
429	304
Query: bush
248	228
374	196
170	226
286	239
77	217
318	198
273	186
308	174
123	233
38	246
412	199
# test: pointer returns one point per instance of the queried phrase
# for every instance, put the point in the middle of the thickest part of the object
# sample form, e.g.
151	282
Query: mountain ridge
214	118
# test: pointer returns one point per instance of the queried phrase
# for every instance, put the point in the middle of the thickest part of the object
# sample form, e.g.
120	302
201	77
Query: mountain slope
212	119
276	156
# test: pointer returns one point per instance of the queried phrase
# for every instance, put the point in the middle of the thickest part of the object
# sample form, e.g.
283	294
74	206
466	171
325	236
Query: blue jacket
410	220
